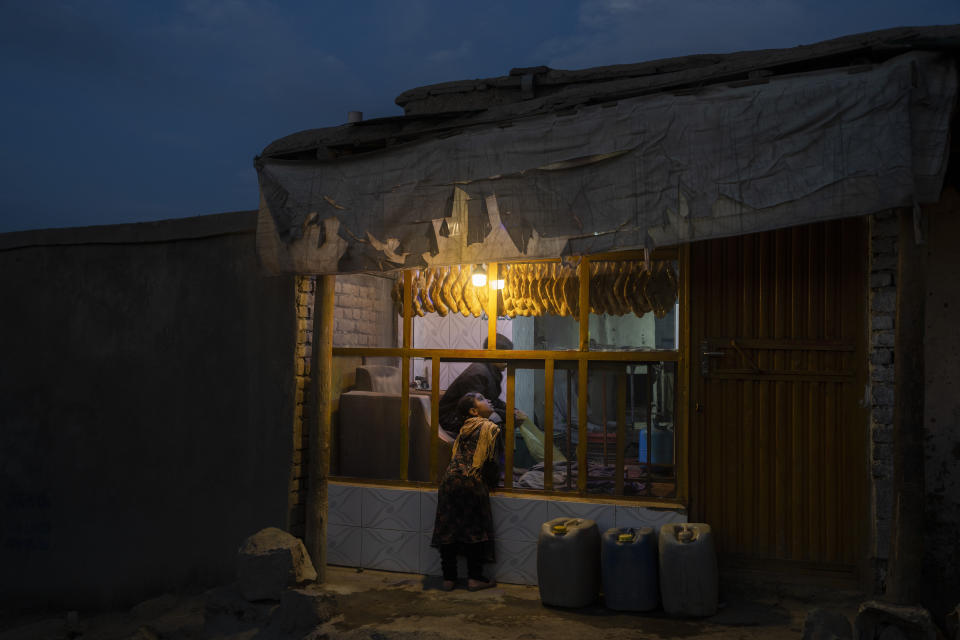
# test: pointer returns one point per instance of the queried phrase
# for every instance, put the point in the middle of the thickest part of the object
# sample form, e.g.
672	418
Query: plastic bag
533	438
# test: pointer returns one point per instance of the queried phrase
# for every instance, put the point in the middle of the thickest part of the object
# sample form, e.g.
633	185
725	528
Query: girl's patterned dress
463	500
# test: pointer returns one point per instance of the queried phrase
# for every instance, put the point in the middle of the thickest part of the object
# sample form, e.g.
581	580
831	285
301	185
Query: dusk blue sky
126	111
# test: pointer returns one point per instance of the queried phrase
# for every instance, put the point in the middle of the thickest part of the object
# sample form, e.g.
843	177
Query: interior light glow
497	284
479	279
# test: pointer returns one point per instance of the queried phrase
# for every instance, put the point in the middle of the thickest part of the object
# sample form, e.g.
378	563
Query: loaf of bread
436	290
462	288
415	293
446	288
483	295
509	307
427	290
661	289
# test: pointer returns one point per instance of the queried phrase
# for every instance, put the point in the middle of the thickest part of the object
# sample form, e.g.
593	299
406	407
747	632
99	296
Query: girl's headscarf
485	441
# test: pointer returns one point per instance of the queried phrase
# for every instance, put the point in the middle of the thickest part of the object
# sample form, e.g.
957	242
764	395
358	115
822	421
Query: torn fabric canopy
642	172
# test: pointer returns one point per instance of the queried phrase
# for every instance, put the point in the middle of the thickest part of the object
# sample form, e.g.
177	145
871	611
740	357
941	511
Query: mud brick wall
147	399
883	300
363	317
941	579
306	286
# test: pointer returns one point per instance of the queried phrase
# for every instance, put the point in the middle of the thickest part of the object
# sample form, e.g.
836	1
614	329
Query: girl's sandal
477	585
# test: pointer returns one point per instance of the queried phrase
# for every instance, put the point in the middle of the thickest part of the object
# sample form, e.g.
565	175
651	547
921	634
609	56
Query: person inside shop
464	520
480	377
486	378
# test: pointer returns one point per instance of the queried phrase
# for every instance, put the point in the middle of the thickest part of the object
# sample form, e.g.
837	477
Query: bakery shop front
680	260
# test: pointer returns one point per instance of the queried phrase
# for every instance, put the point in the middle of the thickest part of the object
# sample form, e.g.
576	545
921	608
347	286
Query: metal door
778	438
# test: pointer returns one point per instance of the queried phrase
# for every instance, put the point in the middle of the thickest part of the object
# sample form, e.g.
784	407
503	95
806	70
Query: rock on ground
953	624
824	624
303	609
883	621
269	562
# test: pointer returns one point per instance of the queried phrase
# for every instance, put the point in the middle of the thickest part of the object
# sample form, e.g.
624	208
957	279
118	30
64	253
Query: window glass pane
627	399
364	314
542	300
449	311
565	431
633	308
366	421
530	442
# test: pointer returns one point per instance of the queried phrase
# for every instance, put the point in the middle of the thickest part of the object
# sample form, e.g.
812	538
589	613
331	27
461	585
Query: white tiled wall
451	332
390	529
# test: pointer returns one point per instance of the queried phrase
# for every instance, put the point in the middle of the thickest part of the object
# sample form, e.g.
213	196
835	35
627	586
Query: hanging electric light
479	277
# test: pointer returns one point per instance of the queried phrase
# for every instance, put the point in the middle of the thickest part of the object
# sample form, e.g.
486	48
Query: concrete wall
146	405
941	571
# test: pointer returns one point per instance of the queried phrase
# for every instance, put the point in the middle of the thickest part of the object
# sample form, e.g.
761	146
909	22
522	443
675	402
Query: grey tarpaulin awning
644	171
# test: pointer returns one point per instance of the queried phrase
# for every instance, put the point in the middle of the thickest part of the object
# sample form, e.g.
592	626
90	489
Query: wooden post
321	364
548	424
906	544
582	372
435	464
509	426
405	374
621	430
493	272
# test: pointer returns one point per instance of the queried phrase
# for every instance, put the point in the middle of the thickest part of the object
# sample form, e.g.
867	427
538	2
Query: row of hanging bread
534	289
443	290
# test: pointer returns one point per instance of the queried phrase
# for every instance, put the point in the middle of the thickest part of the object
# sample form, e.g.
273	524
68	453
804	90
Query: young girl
464	523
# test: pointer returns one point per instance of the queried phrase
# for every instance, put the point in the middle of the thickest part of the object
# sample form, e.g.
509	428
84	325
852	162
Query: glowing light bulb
479	279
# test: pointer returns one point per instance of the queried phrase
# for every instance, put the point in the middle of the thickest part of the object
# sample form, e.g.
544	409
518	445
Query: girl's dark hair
467	402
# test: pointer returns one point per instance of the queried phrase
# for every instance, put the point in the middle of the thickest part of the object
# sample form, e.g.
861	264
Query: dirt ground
376	605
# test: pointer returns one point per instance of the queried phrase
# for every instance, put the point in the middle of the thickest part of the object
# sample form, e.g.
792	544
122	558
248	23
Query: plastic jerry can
628	563
688	570
568	562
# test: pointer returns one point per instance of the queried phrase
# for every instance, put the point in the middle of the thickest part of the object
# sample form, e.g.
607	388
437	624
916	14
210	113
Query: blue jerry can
628	564
568	562
688	570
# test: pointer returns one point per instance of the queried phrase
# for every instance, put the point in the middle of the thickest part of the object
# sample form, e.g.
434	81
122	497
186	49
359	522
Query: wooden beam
621	430
582	425
584	317
321	367
906	545
474	355
548	425
492	271
508	419
405	374
407	308
682	381
434	418
404	417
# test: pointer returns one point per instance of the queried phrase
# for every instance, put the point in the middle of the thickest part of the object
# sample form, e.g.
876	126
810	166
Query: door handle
705	355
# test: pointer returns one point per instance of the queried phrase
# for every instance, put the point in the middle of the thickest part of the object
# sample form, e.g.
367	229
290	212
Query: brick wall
363	314
306	286
363	317
883	299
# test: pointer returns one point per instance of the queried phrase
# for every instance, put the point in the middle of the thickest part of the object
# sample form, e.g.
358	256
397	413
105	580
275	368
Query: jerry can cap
625	537
559	529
